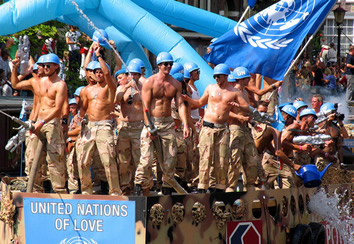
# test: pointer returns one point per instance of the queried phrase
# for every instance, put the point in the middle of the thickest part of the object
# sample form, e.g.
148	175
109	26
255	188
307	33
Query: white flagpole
298	56
243	15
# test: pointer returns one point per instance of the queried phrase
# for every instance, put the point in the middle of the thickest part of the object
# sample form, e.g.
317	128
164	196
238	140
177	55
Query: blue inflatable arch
130	23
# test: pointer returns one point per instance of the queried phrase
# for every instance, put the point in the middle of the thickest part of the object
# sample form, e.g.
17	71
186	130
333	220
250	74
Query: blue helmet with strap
176	68
40	59
35	67
92	65
138	61
240	73
164	57
178	76
78	91
290	109
101	36
221	69
231	78
134	68
186	75
308	111
327	108
191	67
50	58
72	101
299	104
121	71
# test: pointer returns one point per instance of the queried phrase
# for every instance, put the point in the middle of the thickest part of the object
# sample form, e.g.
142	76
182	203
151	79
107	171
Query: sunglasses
167	63
196	71
46	66
217	76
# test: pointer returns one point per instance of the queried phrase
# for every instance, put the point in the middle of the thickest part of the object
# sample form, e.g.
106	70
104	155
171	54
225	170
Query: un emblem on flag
269	28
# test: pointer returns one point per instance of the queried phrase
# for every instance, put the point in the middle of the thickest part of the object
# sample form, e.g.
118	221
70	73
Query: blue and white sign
65	221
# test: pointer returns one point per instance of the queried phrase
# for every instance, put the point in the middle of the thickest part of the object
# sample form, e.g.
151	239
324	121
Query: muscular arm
107	76
198	103
121	90
243	105
88	57
84	102
146	96
264	90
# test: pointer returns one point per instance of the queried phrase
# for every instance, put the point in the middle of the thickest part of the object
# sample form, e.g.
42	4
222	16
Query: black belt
212	125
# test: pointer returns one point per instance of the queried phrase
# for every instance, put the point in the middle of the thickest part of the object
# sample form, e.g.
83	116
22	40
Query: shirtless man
140	63
214	136
284	168
269	148
243	150
31	84
270	96
333	151
97	103
53	95
130	127
157	94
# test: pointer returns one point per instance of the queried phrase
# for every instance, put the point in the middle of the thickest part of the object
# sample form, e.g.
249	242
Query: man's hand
16	62
297	167
152	137
186	131
235	104
306	147
37	127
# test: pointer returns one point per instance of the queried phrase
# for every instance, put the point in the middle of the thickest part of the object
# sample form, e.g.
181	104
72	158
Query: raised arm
265	90
107	76
15	82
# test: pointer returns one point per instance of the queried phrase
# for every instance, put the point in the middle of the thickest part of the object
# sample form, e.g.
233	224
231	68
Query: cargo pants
166	133
98	136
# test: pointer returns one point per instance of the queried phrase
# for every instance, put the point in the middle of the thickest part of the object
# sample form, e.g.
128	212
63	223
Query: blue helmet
231	78
134	68
299	104
78	91
240	73
50	58
190	67
92	65
327	108
164	57
40	59
290	109
35	67
100	36
72	101
221	69
138	61
178	76
176	67
186	75
121	71
98	66
284	104
308	111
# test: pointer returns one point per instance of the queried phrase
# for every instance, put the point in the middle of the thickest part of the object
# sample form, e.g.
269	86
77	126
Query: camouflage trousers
97	169
52	135
214	152
182	155
192	173
166	133
72	170
244	155
98	136
273	100
128	148
273	171
42	175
